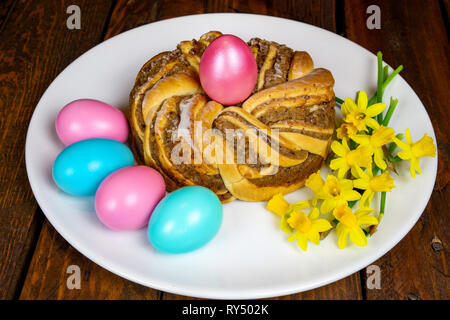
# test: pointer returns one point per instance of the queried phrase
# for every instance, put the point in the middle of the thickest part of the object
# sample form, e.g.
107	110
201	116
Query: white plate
250	256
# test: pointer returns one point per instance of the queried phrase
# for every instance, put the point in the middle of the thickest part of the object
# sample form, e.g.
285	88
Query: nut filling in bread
280	134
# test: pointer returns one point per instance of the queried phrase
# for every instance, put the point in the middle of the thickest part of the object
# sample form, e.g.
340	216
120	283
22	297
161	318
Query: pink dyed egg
126	198
86	118
228	70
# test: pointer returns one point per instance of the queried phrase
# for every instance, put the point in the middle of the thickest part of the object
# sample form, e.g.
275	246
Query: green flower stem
380	83
385	84
392	147
387	117
375	171
338	100
383	203
394	159
385	73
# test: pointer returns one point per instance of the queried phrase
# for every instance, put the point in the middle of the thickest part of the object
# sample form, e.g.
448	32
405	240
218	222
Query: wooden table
36	45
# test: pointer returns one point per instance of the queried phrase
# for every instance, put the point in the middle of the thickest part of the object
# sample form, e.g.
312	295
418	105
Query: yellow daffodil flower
278	205
350	159
412	151
350	225
371	184
346	130
336	192
307	227
284	209
315	183
359	114
381	136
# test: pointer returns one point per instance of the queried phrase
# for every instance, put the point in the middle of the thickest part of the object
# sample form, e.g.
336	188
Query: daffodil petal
408	136
412	170
300	205
351	195
346	184
342	241
363	212
321	225
348	106
339	229
314	237
402	145
361	183
364	202
358	237
372	123
405	154
379	159
278	205
335	164
328	205
342	171
338	148
362	100
367	221
361	139
285	227
314	214
356	172
375	109
302	241
415	161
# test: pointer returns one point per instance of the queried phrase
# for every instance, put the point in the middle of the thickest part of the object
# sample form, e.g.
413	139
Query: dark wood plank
413	34
445	10
46	277
6	7
35	47
130	14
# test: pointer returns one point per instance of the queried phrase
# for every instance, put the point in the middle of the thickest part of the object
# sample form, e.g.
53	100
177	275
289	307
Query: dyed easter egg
81	167
126	198
228	70
86	118
185	220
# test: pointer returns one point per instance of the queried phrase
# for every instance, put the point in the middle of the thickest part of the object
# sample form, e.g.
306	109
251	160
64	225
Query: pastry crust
286	125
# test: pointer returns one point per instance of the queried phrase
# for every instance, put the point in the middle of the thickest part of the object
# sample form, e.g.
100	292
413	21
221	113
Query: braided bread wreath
290	96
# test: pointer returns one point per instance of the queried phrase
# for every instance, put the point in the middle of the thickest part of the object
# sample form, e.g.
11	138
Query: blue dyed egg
81	167
185	220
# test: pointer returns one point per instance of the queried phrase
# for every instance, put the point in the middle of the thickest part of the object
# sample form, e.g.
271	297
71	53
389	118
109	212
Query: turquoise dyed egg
185	220
81	167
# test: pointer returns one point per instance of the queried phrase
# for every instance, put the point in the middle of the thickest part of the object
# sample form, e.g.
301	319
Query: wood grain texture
130	14
30	58
413	34
6	7
48	275
37	45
